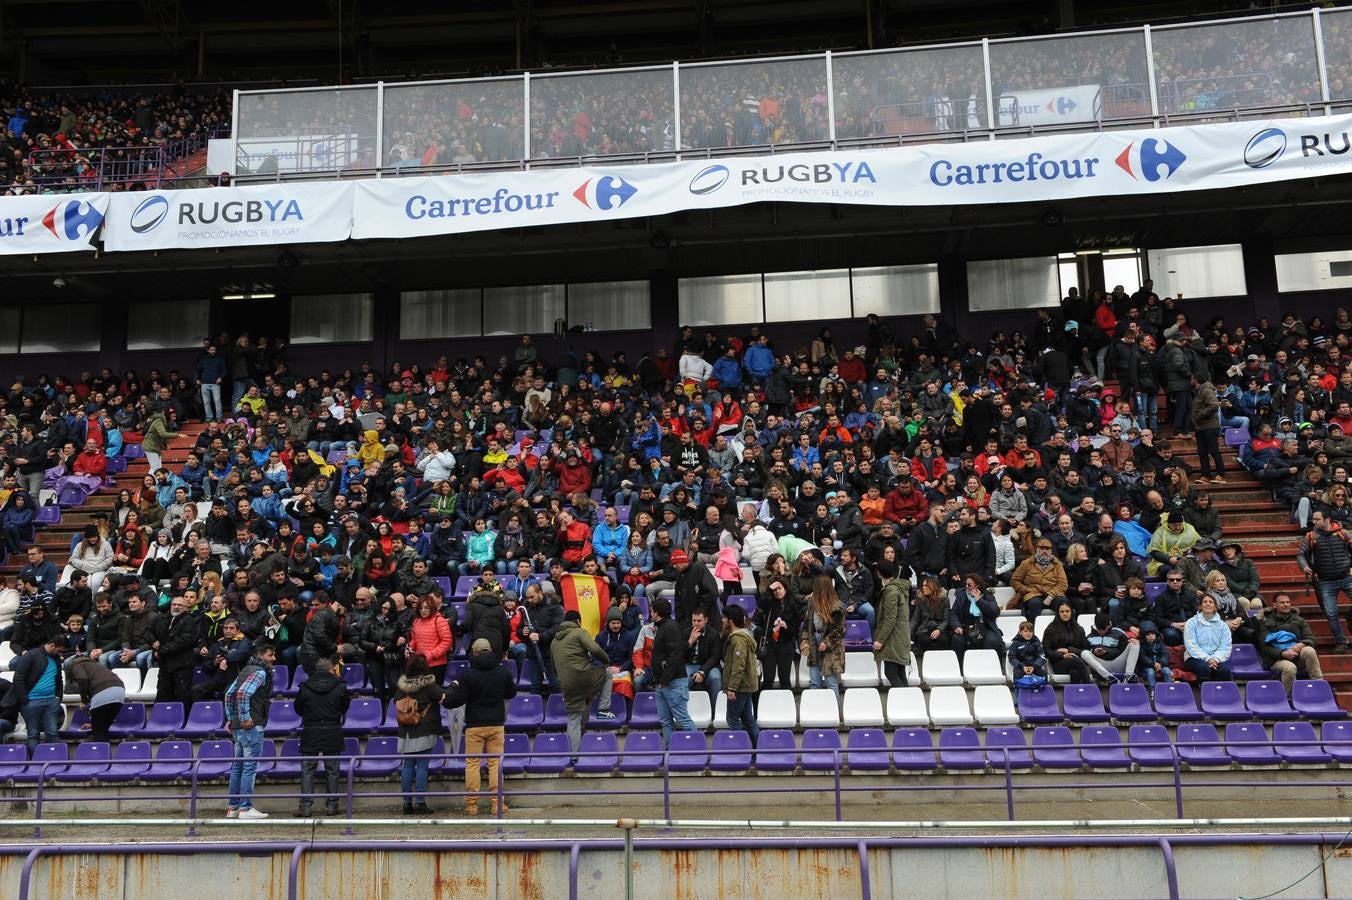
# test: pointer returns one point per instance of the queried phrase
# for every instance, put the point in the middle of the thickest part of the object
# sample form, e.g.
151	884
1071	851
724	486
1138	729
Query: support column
1260	276
953	292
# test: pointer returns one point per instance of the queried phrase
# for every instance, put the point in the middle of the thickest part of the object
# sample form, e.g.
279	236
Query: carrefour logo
1147	160
1061	106
149	213
605	193
1265	148
709	179
72	220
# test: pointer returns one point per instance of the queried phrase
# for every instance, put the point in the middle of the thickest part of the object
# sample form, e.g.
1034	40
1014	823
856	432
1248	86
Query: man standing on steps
1206	419
1326	558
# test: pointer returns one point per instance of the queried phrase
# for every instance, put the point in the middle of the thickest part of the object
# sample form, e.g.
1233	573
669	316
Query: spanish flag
590	596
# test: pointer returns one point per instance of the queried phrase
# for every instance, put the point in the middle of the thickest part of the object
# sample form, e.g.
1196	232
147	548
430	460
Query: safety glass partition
627	112
1336	25
1057	81
1259	63
294	132
454	123
754	103
908	92
1001	284
1192	272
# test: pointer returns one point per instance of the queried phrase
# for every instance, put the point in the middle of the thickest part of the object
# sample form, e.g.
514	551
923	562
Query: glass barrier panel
754	103
908	92
454	123
1235	65
602	113
1336	25
1085	78
306	131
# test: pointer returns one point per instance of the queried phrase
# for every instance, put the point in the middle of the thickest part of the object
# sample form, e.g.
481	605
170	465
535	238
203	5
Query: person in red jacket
92	461
575	540
431	636
509	473
574	477
852	369
905	505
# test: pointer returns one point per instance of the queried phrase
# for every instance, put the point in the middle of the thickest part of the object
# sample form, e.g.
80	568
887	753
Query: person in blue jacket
759	360
727	371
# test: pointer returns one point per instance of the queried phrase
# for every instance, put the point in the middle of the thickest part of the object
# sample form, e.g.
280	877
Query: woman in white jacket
93	556
757	546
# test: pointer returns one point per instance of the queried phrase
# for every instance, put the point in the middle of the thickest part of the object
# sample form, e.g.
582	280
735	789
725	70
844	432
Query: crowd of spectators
65	141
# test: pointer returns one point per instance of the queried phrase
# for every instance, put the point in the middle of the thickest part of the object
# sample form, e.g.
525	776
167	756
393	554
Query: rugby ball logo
709	179
1265	148
149	214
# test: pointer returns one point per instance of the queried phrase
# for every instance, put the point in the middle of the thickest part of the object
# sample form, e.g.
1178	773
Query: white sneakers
251	813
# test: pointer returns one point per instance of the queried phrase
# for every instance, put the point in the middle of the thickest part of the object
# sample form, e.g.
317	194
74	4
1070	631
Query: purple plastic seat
367	767
1246	664
355	676
644	713
48	515
130	760
1007	743
1198	744
90	762
281	681
77	728
730	751
282	718
515	755
464	585
776	751
1101	747
1222	700
173	759
459	607
287	764
913	749
117	465
455	669
1083	703
960	748
556	746
130	721
1130	703
1037	705
214	758
48	762
1153	590
817	755
618	705
556	714
858	635
598	754
1313	699
13	760
1149	746
866	750
1297	744
748	603
642	753
1236	437
525	712
1337	738
165	720
1248	744
1174	701
133	451
390	724
1053	748
688	751
206	719
447	762
364	715
1267	700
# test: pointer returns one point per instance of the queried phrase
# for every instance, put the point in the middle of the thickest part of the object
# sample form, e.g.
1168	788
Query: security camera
58	283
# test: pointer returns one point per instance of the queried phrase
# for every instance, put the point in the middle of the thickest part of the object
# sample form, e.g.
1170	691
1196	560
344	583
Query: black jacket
179	638
485	618
483	690
321	704
696	590
105	632
707	652
321	634
545	618
29	669
668	652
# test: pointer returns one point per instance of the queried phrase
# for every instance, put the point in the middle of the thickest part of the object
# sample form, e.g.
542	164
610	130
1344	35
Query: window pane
1251	64
720	300
1069	270
440	314
895	290
331	318
1123	270
61	328
752	103
1324	270
994	284
305	131
602	113
155	325
1081	78
9	329
461	122
796	296
610	305
908	92
528	309
1216	271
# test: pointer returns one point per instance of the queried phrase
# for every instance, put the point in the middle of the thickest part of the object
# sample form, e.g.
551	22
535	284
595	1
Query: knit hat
679	557
614	616
481	646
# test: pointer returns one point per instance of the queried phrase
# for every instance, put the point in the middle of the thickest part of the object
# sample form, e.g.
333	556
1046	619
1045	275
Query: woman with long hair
777	622
929	618
823	635
431	636
418	730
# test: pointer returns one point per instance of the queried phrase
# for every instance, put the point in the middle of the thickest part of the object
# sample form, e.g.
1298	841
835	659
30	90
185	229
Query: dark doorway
254	317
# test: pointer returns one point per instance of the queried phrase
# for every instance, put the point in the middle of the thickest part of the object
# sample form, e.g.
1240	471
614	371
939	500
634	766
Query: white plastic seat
818	708
149	688
905	708
1009	627
1085	621
131	679
777	710
912	671
993	705
800	672
1040	624
7	654
701	712
982	667
939	668
721	710
948	706
863	708
861	671
1002	595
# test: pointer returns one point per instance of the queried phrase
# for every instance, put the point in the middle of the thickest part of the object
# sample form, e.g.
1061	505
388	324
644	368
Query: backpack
408	713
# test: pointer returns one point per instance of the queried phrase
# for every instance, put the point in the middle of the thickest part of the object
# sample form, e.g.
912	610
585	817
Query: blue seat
776	751
1267	700
1198	744
1053	748
913	749
13	760
364	716
960	749
214	758
1246	664
598	754
1007	746
130	721
173	759
1337	738
1247	743
1298	745
131	759
367	767
644	713
642	753
515	755
48	762
618	706
1221	700
731	751
866	750
165	719
556	714
206	719
1037	705
1174	701
554	744
1101	747
1150	747
1313	699
91	761
354	674
525	712
1083	703
687	751
282	718
1130	703
287	764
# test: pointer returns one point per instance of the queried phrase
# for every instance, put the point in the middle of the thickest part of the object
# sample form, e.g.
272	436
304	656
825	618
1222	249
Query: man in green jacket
573	651
1286	643
740	680
892	637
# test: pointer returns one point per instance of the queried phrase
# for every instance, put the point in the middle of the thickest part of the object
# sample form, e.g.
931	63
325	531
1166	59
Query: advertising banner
50	223
1061	106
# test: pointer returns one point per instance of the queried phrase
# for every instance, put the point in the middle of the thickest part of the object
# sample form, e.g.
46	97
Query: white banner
50	223
229	217
306	153
1062	106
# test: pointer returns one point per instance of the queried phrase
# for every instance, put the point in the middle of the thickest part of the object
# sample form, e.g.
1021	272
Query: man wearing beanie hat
483	690
616	642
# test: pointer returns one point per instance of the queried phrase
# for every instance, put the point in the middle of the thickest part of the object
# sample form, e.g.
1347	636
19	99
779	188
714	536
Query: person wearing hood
486	619
417	738
483	690
17	521
155	437
617	643
574	650
321	703
1207	644
323	633
370	449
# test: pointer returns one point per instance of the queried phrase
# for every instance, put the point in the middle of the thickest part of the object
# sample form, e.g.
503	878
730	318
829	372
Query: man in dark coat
321	703
176	644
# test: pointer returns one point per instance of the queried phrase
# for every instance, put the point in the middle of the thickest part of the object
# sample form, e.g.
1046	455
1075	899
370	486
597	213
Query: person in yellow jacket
1170	543
370	449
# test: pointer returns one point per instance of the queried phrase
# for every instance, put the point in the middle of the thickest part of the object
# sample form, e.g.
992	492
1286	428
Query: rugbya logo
1265	148
604	193
148	214
72	220
1146	160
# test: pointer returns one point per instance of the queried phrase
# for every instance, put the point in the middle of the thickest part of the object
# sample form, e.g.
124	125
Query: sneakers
605	715
232	813
1340	647
250	812
422	809
301	814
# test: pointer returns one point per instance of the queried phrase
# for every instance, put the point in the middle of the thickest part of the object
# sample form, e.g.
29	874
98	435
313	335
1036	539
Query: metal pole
835	754
1319	58
1009	786
26	876
865	876
380	127
293	876
676	107
628	859
990	95
1150	76
830	101
1170	868
525	118
234	133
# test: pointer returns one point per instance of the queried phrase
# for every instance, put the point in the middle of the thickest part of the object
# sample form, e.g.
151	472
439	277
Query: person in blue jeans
1326	557
672	684
246	715
419	728
38	684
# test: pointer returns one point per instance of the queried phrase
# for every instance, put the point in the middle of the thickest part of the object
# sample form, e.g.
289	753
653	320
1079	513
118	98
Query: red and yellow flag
590	596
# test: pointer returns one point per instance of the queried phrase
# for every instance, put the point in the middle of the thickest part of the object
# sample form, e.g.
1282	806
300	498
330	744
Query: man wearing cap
483	690
1198	564
574	652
